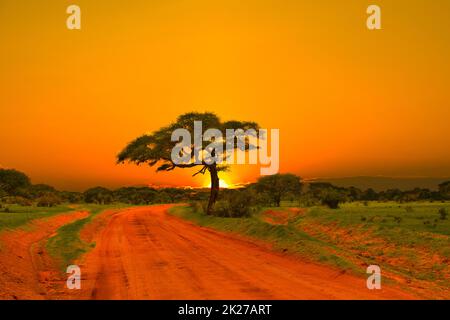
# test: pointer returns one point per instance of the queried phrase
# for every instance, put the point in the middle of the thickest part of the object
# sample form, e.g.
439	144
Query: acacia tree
156	148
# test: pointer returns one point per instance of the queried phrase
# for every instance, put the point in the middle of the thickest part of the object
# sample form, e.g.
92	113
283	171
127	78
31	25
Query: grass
406	225
416	217
66	246
19	216
406	239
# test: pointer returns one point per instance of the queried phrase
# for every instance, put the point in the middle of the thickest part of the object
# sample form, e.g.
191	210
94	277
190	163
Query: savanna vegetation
17	191
407	233
410	241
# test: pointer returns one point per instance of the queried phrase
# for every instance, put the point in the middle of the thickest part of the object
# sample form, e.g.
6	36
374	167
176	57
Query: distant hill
384	183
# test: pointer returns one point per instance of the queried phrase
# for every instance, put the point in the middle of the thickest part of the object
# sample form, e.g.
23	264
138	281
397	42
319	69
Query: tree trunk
214	188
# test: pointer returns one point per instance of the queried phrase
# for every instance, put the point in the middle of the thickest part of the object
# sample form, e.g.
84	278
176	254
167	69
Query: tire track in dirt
144	253
26	270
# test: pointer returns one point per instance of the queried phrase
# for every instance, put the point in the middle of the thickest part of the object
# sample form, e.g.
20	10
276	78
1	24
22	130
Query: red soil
26	270
144	253
282	217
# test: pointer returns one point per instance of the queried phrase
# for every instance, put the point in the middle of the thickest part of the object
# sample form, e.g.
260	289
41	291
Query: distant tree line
15	187
330	195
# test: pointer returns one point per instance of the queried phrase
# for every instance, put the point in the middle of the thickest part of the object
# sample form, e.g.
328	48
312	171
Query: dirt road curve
144	253
26	270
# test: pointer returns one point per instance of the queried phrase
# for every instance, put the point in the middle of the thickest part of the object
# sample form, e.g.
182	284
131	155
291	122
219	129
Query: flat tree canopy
156	148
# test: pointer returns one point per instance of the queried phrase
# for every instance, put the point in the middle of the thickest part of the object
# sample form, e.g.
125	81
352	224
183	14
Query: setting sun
222	183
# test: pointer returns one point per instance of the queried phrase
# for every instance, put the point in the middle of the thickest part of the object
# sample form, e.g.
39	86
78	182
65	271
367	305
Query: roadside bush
48	200
235	204
199	206
222	208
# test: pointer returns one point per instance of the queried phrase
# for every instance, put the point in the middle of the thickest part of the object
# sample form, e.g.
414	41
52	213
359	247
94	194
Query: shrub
443	214
331	198
199	206
308	200
331	203
48	200
21	201
98	195
409	209
222	208
235	204
261	199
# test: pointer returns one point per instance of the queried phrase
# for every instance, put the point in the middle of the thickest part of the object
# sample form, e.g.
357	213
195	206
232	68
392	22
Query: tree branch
202	171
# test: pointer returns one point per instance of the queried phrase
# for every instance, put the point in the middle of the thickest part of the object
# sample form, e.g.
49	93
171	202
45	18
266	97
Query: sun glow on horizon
222	184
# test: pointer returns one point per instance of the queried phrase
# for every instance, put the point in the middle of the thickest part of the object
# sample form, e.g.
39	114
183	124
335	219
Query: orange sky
348	101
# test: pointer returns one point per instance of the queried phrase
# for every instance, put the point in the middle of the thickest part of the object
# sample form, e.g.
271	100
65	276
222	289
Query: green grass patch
413	235
20	216
409	225
66	246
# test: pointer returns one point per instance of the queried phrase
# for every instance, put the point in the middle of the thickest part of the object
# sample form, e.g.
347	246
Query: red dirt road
26	270
144	253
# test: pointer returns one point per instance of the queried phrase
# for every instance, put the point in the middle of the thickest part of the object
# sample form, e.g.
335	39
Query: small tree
370	195
40	190
98	195
328	194
72	196
12	180
48	200
331	198
278	186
